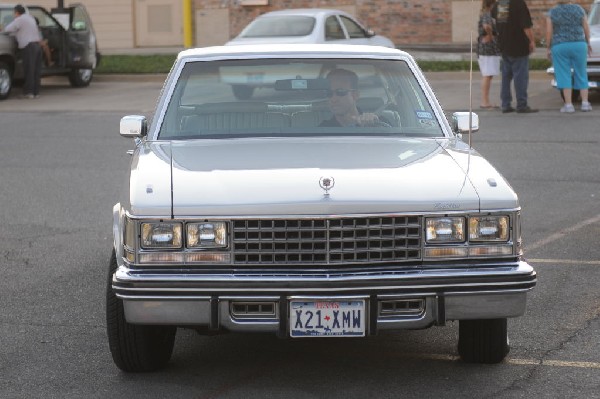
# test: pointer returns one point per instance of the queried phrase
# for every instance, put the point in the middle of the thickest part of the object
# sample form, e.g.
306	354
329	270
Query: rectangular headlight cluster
165	237
169	235
479	230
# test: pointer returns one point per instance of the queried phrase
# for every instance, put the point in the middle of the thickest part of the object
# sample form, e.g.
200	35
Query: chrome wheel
5	81
80	77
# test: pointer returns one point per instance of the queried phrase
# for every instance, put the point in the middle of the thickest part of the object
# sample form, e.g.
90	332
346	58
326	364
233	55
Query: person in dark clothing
25	30
516	42
342	94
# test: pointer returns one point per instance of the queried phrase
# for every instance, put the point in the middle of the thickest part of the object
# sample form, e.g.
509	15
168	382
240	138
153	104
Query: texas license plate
327	318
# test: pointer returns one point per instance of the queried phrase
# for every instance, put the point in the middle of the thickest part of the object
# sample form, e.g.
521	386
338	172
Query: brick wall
403	21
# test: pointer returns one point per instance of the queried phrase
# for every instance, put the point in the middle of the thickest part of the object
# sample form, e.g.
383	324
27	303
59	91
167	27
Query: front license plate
326	318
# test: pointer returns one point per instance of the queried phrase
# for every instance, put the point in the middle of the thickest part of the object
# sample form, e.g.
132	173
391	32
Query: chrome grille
327	241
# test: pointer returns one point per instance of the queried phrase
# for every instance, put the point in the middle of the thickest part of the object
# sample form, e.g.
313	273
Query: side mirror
133	126
465	122
79	26
370	33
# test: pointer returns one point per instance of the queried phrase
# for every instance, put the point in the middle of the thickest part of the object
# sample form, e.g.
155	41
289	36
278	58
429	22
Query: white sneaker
568	108
586	106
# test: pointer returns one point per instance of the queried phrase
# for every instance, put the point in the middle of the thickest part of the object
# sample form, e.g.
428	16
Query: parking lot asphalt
138	93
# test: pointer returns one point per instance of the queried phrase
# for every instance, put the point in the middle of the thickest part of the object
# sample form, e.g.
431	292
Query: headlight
161	235
445	229
207	235
489	228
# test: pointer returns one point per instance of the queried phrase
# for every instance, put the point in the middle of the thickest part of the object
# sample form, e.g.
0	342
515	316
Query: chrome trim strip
283	290
472	212
379	296
249	298
162	298
326	298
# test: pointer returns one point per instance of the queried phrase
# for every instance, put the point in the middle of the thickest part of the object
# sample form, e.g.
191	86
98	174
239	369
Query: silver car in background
309	25
263	216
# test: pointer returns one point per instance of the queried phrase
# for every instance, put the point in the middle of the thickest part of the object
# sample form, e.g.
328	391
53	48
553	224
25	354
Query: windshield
287	97
594	18
293	25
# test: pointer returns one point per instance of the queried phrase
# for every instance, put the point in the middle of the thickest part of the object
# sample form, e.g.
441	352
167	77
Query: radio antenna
471	76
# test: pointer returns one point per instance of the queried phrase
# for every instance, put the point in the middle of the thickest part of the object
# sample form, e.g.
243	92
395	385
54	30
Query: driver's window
333	29
79	21
43	19
354	30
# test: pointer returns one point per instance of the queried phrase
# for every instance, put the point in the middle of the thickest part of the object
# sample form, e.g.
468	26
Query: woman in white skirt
488	52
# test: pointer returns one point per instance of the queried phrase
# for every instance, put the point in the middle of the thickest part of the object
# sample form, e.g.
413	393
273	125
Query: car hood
244	177
595	42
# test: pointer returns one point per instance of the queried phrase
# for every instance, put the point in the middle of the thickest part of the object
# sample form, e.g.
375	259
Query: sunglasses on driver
339	92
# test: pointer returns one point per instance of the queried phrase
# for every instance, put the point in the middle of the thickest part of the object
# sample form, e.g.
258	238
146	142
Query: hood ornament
327	184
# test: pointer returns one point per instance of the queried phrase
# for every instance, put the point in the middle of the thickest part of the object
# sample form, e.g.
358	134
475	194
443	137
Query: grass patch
133	64
161	63
535	64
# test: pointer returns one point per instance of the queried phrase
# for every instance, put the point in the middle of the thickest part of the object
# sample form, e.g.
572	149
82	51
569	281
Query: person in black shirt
516	42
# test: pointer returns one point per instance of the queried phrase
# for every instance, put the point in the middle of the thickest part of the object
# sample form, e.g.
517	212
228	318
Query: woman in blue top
568	39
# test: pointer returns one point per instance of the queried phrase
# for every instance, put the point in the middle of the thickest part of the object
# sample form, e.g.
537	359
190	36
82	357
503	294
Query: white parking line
523	362
554	363
561	233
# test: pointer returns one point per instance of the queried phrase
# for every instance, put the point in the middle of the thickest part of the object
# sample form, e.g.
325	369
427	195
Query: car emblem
326	184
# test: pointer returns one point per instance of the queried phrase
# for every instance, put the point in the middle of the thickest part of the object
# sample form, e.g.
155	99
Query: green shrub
132	64
535	64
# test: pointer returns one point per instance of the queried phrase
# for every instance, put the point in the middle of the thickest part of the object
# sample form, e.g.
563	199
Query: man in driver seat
343	94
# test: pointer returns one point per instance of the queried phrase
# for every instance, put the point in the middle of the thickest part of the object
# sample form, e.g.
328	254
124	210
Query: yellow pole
188	35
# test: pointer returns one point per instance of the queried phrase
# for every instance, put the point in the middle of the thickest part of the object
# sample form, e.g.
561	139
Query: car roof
287	50
302	11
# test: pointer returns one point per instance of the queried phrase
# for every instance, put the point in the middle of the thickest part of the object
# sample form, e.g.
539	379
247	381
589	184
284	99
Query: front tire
80	77
483	341
6	82
135	348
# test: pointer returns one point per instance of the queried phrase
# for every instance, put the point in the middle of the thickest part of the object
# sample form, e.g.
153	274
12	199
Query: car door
81	39
54	33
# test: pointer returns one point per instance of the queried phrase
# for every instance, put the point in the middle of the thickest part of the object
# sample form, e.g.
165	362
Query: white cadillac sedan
309	25
339	202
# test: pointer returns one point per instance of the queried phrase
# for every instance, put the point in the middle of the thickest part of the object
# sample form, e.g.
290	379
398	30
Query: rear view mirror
465	122
302	84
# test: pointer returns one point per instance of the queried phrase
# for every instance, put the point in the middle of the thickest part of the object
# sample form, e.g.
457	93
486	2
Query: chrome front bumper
593	77
400	299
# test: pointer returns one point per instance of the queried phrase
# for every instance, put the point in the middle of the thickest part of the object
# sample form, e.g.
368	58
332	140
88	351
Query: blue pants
566	56
514	69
